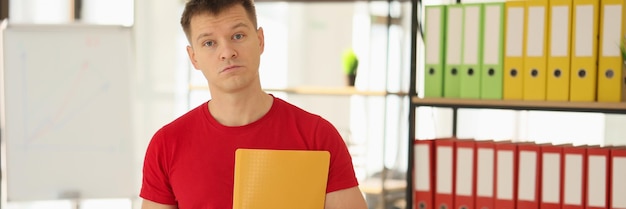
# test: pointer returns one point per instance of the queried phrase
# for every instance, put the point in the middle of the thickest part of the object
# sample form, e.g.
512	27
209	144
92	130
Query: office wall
614	129
160	59
40	11
156	32
314	56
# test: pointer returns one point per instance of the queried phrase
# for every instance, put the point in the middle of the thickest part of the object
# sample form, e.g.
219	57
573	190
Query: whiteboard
67	112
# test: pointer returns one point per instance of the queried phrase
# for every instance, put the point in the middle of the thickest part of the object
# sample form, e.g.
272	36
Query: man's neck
240	109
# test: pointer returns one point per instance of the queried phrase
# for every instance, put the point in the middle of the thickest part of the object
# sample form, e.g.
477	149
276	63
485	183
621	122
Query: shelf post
454	120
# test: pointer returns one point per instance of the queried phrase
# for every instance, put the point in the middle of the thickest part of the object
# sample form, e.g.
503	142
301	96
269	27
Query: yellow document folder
560	30
584	54
610	77
280	179
513	50
535	32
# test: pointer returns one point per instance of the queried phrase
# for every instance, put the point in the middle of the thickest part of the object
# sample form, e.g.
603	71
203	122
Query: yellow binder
609	57
558	70
534	73
280	179
513	50
584	50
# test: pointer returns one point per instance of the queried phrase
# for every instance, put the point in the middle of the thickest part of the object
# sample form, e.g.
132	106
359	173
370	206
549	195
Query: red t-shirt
190	162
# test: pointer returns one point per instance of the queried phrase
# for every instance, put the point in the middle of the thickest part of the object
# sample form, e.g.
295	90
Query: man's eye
209	43
238	36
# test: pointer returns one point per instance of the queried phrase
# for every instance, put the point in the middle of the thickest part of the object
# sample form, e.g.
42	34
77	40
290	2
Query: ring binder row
486	174
554	50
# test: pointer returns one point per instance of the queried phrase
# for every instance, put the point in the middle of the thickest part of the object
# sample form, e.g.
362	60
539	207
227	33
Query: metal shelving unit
455	104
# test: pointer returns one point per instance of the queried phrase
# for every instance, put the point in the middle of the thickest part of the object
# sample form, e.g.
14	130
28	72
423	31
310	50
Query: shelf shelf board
603	107
319	90
375	185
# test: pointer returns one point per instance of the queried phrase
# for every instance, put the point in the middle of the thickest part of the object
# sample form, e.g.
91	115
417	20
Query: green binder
454	51
434	39
472	51
493	50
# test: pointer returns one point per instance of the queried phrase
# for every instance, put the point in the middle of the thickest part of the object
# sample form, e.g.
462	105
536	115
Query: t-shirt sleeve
156	186
341	172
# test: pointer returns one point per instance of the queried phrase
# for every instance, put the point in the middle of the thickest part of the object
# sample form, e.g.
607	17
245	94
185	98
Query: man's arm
147	204
350	198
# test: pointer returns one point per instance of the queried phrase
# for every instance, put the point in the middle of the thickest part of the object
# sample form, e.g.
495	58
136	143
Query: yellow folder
609	54
584	50
534	73
280	179
559	38
513	50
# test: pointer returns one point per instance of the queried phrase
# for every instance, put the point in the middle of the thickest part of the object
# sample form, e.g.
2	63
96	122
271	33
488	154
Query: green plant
623	48
350	62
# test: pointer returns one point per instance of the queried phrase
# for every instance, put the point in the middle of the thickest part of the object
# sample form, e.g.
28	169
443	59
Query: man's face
226	48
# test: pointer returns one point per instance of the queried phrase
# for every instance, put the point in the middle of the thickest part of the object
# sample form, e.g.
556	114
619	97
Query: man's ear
259	34
192	56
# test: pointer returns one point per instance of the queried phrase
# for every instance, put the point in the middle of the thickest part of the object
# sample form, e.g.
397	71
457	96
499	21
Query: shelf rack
455	104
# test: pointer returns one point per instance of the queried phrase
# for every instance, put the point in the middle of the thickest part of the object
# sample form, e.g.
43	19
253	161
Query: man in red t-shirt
190	161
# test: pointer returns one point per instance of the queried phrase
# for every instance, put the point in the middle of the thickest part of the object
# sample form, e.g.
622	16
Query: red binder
505	175
465	172
618	182
528	179
423	174
597	177
444	172
551	169
485	170
574	177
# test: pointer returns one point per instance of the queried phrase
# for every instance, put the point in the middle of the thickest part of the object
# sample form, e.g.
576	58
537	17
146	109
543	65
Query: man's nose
228	52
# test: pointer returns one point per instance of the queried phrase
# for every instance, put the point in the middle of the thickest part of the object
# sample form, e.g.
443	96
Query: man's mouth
230	67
